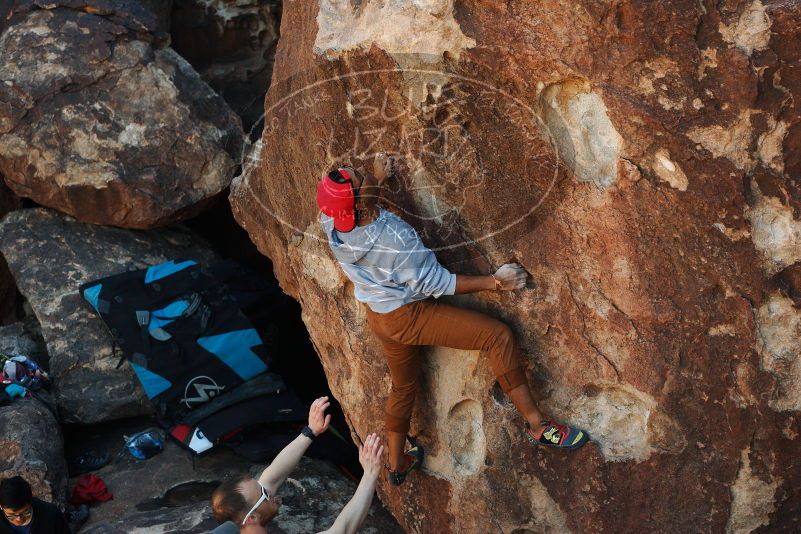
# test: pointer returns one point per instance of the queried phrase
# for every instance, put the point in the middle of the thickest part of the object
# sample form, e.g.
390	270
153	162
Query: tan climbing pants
430	322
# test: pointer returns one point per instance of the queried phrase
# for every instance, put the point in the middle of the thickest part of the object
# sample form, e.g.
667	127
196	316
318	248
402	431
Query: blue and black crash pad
181	327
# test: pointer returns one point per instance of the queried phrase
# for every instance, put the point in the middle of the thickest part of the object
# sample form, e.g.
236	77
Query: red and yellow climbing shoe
556	434
413	459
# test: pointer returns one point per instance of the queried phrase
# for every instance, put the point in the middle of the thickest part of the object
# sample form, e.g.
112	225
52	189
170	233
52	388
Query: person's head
344	194
234	500
16	500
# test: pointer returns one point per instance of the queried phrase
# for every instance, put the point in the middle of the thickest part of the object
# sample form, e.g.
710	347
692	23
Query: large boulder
31	444
100	122
50	255
147	19
231	43
637	158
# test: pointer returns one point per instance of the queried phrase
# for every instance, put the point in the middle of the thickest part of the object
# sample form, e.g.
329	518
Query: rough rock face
638	159
148	19
99	122
31	446
50	255
231	43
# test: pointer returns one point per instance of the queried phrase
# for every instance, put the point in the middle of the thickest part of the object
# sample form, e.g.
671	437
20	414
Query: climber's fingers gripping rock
383	167
511	276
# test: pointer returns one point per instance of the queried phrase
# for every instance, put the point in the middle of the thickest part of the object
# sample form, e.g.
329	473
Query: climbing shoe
412	457
556	435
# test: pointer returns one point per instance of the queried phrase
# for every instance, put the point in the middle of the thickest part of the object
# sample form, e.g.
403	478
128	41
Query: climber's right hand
383	167
511	276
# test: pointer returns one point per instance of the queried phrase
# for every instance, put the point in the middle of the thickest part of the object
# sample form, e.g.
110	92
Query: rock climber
246	505
400	281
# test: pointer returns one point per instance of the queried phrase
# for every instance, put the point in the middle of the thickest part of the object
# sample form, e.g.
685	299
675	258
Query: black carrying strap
143	320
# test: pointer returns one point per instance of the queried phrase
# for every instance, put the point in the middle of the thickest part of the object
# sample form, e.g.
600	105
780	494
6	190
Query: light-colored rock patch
546	515
728	141
398	27
466	437
732	233
668	170
455	397
709	60
770	146
227	10
775	232
751	31
316	260
626	423
779	345
578	122
752	499
133	134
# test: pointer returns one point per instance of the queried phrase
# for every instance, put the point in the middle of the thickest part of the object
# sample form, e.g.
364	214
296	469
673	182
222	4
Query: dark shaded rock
31	445
151	492
5	12
185	519
102	126
788	281
231	44
8	200
148	19
50	255
9	295
20	338
168	494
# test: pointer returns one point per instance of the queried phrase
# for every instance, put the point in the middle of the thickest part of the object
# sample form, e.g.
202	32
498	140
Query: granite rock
640	160
32	446
101	122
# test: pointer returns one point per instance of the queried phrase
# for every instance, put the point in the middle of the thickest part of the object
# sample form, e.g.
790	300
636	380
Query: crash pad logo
199	390
472	160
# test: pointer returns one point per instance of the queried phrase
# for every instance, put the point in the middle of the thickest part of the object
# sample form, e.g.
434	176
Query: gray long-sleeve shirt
388	263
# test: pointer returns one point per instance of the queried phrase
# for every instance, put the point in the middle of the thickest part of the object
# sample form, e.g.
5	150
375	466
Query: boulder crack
584	335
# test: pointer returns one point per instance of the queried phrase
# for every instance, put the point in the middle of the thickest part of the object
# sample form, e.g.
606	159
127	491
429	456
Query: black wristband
307	431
